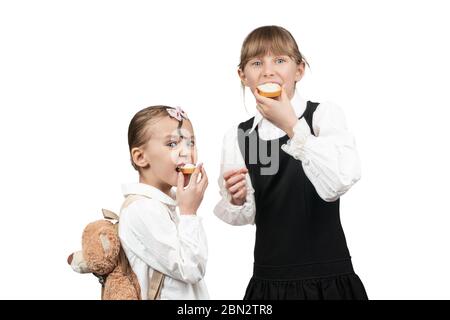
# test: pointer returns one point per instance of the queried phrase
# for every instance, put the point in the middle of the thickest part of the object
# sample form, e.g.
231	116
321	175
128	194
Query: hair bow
177	113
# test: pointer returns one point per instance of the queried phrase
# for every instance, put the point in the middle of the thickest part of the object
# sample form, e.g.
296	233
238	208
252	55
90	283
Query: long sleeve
232	159
329	157
178	250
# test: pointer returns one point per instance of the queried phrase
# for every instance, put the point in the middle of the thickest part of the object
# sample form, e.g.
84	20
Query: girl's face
280	69
167	148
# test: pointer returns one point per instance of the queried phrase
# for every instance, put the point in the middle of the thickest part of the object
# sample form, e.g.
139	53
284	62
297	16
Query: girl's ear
300	71
243	78
139	158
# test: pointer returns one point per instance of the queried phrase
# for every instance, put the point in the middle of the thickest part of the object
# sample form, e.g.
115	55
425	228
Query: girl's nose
185	151
268	70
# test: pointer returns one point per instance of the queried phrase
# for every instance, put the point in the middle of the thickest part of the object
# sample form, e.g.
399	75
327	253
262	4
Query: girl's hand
279	112
236	185
189	199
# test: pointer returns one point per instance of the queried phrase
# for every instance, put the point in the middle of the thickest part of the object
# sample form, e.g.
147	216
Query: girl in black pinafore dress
288	183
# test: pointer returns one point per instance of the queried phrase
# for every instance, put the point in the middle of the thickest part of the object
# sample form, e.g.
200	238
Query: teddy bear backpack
103	256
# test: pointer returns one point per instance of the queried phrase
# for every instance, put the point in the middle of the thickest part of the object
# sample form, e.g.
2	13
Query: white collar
298	103
150	192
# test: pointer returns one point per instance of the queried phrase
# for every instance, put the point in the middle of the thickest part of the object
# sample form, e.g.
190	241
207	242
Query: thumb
180	182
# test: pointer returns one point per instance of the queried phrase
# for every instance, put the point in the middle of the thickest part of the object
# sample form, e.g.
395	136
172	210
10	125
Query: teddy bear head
100	249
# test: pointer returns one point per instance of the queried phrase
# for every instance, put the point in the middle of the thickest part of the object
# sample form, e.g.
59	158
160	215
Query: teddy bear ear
101	246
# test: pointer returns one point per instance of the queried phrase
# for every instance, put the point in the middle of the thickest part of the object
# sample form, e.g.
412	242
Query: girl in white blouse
284	170
158	240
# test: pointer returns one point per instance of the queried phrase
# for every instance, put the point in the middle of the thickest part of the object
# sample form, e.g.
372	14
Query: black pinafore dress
300	249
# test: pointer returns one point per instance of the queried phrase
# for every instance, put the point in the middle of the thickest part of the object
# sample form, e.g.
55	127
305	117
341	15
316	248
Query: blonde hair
270	39
138	129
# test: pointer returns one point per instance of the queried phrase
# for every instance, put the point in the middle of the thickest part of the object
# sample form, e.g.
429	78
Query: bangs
269	40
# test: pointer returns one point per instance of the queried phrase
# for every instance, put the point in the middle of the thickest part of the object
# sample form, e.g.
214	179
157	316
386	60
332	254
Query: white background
73	73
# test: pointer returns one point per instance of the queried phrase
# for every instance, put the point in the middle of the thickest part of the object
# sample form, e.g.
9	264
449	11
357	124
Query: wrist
290	132
188	213
187	210
289	129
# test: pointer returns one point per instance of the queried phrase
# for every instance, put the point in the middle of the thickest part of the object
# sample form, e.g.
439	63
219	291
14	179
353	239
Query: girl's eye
256	63
280	60
191	143
172	144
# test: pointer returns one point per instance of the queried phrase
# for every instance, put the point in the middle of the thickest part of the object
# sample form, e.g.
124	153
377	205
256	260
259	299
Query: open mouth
267	82
185	168
269	89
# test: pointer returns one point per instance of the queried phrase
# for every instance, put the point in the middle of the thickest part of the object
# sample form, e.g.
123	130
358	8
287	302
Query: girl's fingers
230	173
242	194
264	101
204	175
258	97
234	179
180	181
243	170
237	187
237	182
204	180
194	175
204	185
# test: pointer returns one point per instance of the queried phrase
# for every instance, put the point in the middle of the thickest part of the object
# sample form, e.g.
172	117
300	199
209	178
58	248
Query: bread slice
187	168
269	90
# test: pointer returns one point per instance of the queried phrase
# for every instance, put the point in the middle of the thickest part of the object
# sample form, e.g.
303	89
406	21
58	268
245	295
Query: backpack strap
155	285
107	214
130	199
157	279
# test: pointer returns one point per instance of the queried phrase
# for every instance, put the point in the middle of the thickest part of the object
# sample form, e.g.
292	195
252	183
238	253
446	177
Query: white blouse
329	157
154	236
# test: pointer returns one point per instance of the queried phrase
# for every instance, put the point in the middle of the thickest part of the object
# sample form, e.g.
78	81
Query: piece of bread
187	168
269	90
